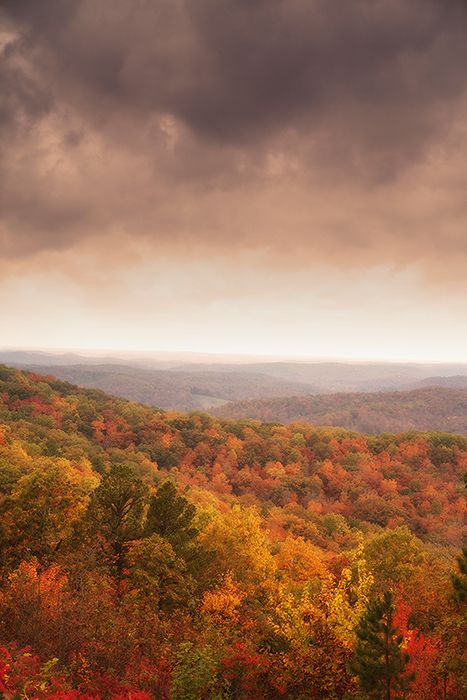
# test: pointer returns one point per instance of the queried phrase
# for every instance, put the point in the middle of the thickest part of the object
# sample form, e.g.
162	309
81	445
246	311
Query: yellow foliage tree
240	546
299	560
347	600
221	605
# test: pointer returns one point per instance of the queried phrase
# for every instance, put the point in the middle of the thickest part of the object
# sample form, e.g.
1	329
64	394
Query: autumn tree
31	606
40	512
394	556
220	606
299	561
308	659
453	633
240	547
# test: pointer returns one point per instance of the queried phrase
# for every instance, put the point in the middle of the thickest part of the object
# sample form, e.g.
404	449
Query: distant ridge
172	389
457	382
431	408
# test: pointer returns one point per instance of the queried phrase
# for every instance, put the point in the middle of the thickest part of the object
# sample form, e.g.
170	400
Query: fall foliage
147	554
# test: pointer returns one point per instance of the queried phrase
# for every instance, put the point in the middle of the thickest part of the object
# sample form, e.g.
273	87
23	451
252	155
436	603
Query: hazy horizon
206	356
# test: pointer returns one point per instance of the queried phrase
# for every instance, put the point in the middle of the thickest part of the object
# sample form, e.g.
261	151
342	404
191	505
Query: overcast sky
284	177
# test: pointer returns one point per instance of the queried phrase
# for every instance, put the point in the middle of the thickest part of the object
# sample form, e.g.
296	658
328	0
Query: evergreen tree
379	660
171	516
459	580
116	511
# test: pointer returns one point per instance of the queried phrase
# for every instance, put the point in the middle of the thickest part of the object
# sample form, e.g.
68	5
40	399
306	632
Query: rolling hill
171	389
327	377
165	381
458	381
433	408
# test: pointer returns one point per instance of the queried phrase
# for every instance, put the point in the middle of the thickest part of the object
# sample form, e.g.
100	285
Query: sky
271	177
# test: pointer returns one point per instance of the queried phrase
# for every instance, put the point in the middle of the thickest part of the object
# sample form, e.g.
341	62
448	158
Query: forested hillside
327	377
433	408
185	385
147	554
456	382
178	390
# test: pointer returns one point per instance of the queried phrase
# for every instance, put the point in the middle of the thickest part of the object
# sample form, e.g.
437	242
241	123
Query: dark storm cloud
235	70
236	123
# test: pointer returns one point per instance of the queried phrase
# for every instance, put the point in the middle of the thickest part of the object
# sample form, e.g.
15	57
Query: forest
430	408
153	554
180	390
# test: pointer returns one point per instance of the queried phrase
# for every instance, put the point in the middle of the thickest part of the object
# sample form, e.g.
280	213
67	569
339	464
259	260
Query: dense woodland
151	554
179	390
431	408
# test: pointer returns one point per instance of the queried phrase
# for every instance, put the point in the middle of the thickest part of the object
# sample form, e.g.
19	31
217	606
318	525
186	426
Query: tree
346	599
116	512
379	660
171	516
220	606
299	561
308	658
31	606
196	673
459	580
394	556
157	575
39	514
240	547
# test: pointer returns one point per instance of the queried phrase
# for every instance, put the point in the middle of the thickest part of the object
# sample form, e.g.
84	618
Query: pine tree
116	511
171	516
459	580
380	660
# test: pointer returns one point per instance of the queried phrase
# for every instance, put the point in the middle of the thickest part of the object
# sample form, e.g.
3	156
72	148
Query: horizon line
120	353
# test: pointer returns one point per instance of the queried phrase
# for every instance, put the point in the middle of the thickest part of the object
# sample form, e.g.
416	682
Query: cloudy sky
284	177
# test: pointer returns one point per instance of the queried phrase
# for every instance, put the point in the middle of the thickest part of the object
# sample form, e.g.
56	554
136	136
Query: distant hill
27	358
456	382
177	390
433	408
166	382
322	376
327	377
